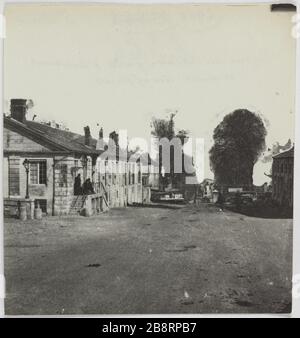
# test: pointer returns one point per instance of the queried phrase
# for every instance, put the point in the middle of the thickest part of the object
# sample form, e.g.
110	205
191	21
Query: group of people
85	189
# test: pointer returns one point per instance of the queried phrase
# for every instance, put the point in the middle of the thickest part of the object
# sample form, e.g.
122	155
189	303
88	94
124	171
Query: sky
119	65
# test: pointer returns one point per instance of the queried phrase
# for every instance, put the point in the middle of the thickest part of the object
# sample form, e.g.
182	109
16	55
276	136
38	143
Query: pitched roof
285	154
63	139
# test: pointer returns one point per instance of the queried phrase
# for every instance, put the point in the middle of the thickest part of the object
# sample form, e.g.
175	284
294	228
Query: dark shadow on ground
157	205
263	211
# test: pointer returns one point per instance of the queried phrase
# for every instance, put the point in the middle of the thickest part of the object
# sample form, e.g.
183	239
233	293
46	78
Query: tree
239	140
165	128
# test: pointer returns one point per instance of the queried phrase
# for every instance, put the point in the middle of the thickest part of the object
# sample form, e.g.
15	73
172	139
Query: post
27	183
26	166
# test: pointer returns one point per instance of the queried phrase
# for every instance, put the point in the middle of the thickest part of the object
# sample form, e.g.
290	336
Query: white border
296	231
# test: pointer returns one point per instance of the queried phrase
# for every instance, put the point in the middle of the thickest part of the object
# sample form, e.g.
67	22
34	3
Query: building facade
283	178
55	158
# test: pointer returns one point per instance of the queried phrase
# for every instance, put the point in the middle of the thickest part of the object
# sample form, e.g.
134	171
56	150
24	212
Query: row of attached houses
42	161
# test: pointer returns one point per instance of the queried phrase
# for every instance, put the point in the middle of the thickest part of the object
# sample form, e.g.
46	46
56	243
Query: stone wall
64	185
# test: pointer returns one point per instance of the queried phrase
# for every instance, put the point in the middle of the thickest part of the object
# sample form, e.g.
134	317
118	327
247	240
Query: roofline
89	150
35	133
36	153
13	123
286	151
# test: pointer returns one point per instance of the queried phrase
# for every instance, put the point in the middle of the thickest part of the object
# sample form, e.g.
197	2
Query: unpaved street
186	259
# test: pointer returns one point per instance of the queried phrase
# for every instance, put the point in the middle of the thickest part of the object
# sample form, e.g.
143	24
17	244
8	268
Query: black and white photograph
148	158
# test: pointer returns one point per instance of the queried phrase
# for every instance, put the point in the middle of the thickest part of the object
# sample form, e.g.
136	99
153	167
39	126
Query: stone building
56	156
283	178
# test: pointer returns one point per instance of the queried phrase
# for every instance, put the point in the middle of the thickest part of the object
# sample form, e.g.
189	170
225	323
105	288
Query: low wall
12	207
94	204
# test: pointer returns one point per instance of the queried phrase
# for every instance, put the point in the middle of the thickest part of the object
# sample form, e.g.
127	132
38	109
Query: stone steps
77	204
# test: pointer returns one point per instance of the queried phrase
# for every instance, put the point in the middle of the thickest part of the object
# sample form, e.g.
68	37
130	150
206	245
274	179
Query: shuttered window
14	177
38	172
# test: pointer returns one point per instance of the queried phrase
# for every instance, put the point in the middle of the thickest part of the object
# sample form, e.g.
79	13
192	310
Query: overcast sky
120	65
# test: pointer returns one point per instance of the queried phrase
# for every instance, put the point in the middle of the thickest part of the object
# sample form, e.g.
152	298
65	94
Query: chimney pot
101	133
18	109
100	141
114	141
87	136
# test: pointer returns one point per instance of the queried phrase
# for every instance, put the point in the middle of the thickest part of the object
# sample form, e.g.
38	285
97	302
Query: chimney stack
87	136
101	133
114	137
100	141
18	109
114	141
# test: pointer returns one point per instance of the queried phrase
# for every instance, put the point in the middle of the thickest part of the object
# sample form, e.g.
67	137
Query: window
145	180
14	176
38	172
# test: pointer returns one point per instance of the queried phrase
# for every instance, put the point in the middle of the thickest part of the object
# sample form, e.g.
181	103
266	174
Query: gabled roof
285	154
57	139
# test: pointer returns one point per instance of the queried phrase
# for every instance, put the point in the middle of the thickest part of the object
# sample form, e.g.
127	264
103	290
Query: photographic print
148	158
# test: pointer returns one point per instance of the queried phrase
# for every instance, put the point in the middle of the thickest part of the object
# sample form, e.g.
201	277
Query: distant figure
77	185
88	187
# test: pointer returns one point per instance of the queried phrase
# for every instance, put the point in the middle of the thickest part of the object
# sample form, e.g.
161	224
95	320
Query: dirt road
149	260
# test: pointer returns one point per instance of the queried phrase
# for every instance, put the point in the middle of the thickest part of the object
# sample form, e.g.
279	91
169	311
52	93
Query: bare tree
165	128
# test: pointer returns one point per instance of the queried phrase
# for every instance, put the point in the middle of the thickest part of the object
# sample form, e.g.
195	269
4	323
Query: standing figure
77	185
88	187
